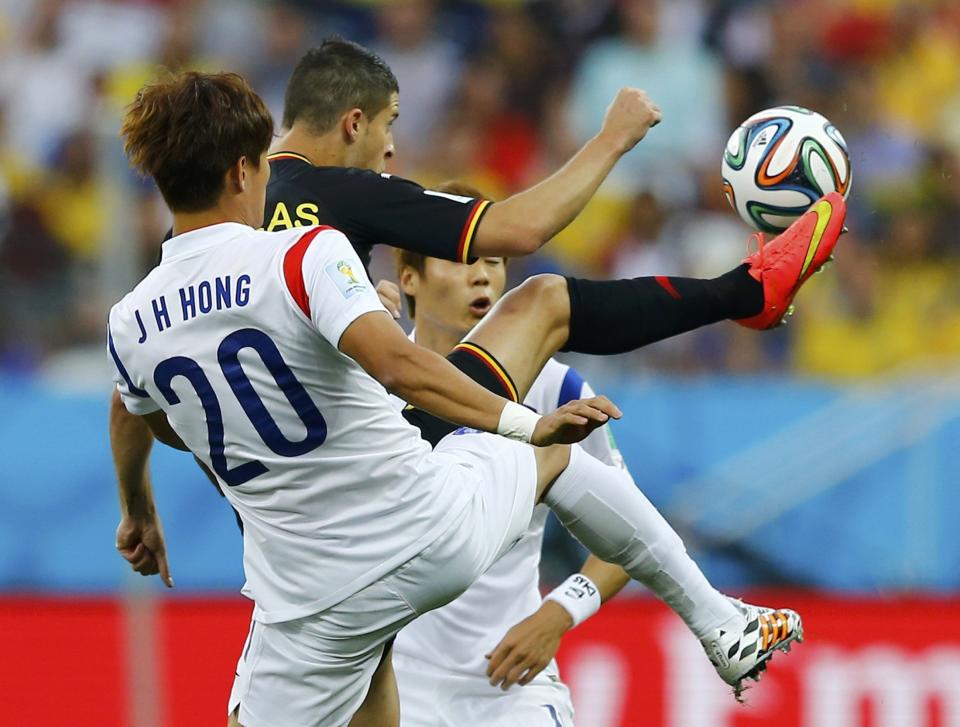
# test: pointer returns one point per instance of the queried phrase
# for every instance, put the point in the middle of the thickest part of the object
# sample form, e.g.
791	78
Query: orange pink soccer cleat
785	263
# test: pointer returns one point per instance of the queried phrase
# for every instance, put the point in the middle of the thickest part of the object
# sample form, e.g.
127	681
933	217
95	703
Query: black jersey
370	208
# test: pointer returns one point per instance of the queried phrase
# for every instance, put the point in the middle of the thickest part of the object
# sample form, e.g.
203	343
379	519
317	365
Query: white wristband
517	422
578	595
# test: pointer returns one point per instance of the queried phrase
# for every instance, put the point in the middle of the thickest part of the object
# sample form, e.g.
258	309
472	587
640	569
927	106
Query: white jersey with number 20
234	335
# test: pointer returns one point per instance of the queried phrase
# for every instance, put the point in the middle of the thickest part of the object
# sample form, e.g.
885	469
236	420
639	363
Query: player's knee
546	294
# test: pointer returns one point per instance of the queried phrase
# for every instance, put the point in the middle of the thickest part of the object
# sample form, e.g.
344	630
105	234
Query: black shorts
480	366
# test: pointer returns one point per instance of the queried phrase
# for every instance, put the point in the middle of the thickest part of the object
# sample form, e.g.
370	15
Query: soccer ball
779	162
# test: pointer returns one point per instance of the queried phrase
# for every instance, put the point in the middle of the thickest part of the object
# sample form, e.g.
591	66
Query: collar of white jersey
200	239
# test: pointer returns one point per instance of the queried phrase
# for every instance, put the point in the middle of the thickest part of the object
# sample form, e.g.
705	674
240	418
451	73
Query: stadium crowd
498	94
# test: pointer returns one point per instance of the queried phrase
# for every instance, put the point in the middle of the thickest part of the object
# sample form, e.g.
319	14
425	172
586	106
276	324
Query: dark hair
418	261
336	76
189	128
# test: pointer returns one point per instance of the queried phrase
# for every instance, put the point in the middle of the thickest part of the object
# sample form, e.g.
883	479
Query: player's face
376	143
455	297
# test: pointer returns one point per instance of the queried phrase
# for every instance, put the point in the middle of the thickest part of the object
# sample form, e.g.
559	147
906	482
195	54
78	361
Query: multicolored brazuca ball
779	162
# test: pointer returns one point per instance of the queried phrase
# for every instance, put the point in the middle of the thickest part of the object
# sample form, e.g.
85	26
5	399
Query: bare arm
131	442
530	645
524	222
430	382
610	579
139	537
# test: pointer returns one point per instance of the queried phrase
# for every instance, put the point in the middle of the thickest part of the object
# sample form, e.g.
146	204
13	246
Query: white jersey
455	637
234	335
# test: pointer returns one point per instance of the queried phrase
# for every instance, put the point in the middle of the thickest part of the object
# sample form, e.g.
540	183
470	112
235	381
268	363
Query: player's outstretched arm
527	648
524	222
430	382
139	536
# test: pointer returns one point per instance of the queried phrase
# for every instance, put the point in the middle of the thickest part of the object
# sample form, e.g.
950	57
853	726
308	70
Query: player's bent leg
315	671
602	317
381	707
525	328
504	477
233	720
600	505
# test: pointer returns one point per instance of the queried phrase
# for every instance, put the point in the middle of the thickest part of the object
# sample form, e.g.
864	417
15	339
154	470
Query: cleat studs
791	309
844	230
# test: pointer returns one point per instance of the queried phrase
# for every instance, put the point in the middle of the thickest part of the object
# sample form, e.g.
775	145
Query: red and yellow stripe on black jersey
470	230
506	386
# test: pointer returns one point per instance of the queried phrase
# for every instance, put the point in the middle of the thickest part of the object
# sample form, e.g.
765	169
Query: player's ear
352	123
237	175
409	280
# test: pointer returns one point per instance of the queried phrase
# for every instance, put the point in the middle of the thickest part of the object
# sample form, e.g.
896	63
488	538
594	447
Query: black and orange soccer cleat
741	655
785	263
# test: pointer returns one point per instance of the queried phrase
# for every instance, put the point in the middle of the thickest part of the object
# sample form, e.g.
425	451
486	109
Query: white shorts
315	671
431	697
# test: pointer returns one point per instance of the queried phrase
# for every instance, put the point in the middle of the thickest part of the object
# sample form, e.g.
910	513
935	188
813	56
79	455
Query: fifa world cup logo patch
346	280
345	268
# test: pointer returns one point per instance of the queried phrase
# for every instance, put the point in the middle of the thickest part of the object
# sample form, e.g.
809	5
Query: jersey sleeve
388	210
135	398
327	282
600	443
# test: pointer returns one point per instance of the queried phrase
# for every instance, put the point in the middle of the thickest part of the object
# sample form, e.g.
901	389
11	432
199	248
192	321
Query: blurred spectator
426	65
923	67
878	311
530	60
35	292
741	32
885	157
177	50
45	92
510	99
645	249
578	20
493	140
679	75
134	29
72	201
286	39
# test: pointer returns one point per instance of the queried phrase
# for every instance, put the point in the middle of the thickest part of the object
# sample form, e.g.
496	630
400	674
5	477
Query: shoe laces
775	626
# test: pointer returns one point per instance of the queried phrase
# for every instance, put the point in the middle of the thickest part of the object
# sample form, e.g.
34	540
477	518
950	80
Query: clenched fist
630	115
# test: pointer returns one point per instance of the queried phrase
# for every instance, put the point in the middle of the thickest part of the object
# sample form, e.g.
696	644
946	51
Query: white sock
602	507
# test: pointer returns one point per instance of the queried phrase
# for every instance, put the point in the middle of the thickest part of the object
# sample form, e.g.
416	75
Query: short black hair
336	76
187	129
